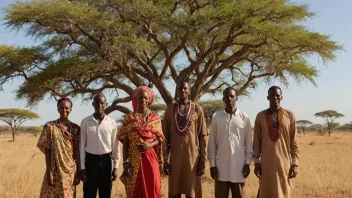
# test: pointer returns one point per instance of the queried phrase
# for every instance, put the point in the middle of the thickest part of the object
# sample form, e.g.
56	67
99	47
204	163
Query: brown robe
275	158
185	153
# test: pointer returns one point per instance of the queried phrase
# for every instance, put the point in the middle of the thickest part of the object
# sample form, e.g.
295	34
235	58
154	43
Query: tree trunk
329	131
304	132
13	134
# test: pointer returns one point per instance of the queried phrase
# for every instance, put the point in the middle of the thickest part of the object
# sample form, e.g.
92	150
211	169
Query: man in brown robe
184	128
276	148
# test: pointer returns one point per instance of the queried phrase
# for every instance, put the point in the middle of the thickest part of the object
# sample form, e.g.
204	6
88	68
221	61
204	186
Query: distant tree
335	125
210	107
303	124
90	46
329	117
346	127
15	117
4	130
315	127
34	130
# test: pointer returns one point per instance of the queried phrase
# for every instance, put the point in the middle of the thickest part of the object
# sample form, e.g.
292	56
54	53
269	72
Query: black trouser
98	169
222	189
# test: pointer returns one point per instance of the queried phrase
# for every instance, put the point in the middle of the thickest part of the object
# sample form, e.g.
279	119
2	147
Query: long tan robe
185	153
275	158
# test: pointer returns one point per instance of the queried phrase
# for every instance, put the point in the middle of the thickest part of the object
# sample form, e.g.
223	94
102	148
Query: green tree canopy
89	46
329	117
303	124
15	117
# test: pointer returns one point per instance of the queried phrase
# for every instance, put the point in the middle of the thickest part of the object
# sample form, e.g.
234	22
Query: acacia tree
329	117
15	118
303	124
90	46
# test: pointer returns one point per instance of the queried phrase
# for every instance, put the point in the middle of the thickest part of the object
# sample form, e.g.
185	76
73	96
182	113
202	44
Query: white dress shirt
230	145
99	139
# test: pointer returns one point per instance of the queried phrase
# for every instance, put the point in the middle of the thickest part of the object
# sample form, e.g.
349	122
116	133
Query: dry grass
325	169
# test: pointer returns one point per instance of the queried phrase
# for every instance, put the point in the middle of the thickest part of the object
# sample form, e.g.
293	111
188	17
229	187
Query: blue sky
333	91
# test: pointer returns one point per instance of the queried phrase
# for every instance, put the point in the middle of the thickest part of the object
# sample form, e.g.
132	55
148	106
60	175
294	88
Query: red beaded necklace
274	123
142	120
183	121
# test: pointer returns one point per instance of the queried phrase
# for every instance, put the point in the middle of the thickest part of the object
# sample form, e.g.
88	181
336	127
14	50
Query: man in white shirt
230	148
99	151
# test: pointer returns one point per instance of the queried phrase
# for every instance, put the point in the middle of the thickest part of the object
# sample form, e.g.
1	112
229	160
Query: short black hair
99	95
273	88
229	89
184	81
63	100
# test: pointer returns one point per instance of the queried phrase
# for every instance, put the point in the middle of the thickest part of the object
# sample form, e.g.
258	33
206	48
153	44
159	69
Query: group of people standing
174	145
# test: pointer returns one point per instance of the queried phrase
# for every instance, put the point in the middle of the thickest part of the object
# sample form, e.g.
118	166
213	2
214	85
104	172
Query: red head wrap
135	95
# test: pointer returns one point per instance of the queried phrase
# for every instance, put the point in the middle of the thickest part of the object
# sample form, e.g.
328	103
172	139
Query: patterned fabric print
63	162
130	129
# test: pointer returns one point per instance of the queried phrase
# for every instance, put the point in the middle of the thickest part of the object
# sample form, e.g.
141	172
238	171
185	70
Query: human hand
50	178
167	169
144	147
127	170
258	170
114	174
214	172
76	179
201	168
83	175
293	171
246	170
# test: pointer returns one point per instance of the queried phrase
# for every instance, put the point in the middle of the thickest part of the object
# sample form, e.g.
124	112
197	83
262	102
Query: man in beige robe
276	148
184	153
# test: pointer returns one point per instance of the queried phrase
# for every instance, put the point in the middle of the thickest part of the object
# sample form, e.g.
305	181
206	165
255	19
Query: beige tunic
184	153
275	158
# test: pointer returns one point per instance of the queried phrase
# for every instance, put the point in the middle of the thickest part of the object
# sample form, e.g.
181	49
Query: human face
275	97
99	104
230	99
64	109
143	100
183	91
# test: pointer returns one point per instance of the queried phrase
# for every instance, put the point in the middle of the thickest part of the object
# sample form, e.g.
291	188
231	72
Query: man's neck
275	109
183	102
99	116
231	110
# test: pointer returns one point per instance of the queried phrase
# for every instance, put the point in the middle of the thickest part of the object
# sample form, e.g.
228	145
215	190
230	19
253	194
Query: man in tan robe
276	148
184	128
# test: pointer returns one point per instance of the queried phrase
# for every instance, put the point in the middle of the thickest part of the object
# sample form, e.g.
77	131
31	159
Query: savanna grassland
325	169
